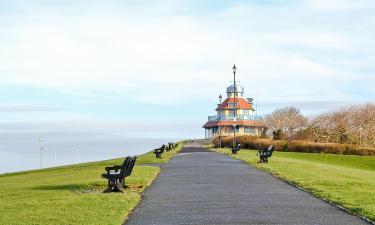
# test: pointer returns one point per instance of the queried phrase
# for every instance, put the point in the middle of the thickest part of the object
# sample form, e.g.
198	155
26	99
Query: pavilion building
235	111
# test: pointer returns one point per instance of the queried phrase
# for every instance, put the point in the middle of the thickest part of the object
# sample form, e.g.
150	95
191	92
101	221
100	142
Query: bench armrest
115	167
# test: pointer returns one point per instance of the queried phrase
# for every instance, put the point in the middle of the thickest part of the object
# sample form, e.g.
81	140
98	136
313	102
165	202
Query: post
41	153
54	161
74	153
235	106
220	97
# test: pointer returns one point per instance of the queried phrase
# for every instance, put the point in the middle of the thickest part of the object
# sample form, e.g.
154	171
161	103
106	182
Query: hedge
251	142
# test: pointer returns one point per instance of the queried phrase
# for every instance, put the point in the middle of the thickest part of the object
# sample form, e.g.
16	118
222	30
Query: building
245	119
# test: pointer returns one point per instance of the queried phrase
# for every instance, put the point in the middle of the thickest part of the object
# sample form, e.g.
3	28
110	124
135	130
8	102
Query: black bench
170	146
159	151
265	154
236	149
116	174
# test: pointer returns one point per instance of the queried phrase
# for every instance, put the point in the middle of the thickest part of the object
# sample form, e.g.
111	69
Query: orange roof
241	104
254	123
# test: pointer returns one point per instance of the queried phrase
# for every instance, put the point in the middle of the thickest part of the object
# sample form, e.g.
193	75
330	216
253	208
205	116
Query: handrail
231	117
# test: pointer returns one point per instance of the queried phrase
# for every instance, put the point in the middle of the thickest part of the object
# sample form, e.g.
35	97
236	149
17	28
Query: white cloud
172	58
26	108
340	5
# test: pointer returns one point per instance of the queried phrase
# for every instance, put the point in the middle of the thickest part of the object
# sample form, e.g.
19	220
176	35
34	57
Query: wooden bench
116	174
265	154
236	149
159	151
170	146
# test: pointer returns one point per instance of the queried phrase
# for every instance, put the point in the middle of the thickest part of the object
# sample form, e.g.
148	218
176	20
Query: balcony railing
231	117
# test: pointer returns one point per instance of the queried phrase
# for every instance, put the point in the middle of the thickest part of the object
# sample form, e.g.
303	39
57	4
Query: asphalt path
202	187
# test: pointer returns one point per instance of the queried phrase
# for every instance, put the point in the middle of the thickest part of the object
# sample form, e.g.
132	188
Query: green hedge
298	146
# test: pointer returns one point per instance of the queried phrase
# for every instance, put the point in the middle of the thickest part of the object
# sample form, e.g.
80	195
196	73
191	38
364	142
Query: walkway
202	187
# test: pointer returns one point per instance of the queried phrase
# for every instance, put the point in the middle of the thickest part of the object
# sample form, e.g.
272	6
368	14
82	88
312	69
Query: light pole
41	153
220	98
54	161
235	105
75	158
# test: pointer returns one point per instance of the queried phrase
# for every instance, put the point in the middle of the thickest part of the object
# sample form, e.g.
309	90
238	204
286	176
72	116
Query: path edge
160	165
295	185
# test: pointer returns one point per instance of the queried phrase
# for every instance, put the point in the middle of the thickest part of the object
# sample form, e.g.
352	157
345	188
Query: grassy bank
73	194
346	180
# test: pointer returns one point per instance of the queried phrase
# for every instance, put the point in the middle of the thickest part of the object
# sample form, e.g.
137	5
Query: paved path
201	187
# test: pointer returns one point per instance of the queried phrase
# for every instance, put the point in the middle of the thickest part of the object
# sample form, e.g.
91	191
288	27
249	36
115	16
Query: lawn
346	180
74	194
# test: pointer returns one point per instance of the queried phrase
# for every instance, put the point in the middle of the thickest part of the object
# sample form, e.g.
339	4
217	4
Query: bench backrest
163	148
129	168
270	149
124	165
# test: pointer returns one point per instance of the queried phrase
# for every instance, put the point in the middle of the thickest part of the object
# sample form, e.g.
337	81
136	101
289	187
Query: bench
116	174
171	146
159	151
236	149
265	154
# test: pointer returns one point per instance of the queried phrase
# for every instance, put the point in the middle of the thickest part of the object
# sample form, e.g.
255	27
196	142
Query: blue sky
158	66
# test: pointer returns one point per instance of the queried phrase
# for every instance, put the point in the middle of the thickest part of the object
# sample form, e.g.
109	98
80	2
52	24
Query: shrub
252	142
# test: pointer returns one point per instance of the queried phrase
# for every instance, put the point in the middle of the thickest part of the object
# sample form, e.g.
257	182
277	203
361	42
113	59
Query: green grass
73	194
346	180
149	158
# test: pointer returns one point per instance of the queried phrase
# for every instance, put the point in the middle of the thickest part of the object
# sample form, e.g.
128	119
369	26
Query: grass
73	194
346	180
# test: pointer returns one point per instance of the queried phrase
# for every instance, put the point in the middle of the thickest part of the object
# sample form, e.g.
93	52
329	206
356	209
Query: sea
20	153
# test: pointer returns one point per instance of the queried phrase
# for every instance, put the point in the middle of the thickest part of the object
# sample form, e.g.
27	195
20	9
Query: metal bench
116	174
236	149
265	154
159	151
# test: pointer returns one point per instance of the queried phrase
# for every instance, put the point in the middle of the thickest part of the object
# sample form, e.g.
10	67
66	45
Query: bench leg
120	184
112	185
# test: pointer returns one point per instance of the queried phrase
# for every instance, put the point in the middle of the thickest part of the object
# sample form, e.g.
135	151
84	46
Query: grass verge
346	180
73	194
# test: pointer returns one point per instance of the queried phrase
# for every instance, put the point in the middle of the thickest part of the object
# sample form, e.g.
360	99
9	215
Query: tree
287	120
353	125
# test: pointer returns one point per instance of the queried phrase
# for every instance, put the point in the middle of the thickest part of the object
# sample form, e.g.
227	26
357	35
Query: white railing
231	117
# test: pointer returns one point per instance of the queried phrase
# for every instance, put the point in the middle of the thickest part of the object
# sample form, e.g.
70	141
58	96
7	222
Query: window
230	129
232	104
249	130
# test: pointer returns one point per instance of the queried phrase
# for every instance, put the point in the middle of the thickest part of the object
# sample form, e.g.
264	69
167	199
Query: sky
156	68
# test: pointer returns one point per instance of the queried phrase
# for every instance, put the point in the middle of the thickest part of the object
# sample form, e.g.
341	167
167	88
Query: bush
252	142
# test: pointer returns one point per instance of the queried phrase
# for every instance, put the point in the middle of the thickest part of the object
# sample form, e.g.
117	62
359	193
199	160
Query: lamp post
54	161
75	159
234	69
41	153
220	98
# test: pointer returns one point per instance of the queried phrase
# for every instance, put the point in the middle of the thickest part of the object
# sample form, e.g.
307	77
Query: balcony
231	117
